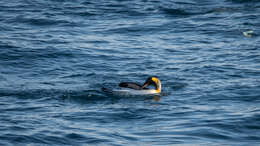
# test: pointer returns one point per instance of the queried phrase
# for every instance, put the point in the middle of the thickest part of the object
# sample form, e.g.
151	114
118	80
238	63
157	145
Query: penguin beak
147	83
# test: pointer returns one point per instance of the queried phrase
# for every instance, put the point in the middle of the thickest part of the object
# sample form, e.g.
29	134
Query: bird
131	88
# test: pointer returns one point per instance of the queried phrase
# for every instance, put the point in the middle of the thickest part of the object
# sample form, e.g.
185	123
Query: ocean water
55	55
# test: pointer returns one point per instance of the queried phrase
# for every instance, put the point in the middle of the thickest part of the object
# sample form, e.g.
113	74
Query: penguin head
154	81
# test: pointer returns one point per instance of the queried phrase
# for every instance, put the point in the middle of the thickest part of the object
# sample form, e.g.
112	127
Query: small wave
175	12
38	21
56	94
7	46
30	93
85	13
84	96
224	10
78	75
244	1
177	85
21	138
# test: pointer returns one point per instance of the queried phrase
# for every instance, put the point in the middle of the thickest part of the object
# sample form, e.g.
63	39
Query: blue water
55	55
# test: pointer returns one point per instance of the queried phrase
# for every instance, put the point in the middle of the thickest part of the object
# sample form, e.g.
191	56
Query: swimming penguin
130	88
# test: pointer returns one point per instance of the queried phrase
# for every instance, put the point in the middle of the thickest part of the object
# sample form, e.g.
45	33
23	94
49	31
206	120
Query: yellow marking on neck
156	82
158	91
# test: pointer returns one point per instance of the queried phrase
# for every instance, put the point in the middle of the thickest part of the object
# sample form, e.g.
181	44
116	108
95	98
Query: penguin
130	88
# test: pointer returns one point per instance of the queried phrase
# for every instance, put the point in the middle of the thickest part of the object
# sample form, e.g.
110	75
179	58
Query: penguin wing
130	85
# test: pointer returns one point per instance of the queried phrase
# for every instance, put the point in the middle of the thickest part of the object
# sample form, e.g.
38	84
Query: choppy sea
55	55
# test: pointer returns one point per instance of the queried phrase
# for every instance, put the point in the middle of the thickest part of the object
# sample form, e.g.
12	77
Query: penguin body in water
130	88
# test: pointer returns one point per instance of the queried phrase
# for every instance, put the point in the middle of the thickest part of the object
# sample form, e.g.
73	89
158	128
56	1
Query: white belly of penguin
134	92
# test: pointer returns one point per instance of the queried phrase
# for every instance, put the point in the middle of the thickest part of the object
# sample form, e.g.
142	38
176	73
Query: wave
176	12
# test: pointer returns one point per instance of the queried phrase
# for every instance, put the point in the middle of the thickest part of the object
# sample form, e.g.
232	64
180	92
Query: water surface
55	55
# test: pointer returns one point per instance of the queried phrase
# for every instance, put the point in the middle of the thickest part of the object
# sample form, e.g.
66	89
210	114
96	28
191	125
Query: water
55	55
